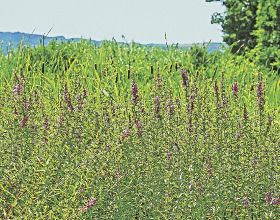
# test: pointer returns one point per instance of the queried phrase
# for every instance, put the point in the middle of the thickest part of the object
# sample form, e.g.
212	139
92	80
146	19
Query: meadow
122	131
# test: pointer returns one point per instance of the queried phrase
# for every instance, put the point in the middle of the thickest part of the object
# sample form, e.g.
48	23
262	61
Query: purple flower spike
18	89
185	78
235	89
88	204
134	93
260	94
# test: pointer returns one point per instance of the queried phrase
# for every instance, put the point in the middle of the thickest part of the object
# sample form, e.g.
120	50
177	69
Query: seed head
191	104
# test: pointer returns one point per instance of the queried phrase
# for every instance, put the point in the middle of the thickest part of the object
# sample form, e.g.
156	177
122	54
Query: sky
143	21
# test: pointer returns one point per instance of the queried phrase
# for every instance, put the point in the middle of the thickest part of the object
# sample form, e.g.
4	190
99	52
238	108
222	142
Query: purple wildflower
139	126
209	166
171	107
18	89
88	204
260	94
68	100
216	89
125	133
134	93
26	106
245	113
23	121
185	78
169	156
254	162
271	200
85	93
46	123
246	202
268	197
235	89
157	105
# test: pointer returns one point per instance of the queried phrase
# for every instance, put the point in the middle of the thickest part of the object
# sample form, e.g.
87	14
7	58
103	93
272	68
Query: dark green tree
268	33
238	23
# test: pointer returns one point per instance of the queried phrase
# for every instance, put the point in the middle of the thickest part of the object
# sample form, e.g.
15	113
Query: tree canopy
252	25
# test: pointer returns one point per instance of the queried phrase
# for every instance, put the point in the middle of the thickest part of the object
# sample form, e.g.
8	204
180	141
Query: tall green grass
129	132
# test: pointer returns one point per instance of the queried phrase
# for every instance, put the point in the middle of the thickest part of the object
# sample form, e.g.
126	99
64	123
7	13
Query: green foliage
268	33
131	132
238	23
254	26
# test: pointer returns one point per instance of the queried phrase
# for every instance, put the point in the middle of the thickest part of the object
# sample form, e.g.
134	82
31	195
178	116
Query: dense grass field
129	132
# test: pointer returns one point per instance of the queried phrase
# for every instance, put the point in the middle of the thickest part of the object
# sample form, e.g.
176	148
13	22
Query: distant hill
13	39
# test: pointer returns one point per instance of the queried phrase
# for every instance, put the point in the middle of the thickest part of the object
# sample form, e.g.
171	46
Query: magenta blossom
235	89
88	204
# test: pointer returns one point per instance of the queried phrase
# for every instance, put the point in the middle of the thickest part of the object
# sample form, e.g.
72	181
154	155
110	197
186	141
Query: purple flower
235	89
216	89
26	106
171	107
271	200
67	99
260	94
139	127
246	202
169	156
85	93
18	89
245	113
23	121
157	105
260	89
46	123
185	78
209	166
134	93
191	104
125	133
88	204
